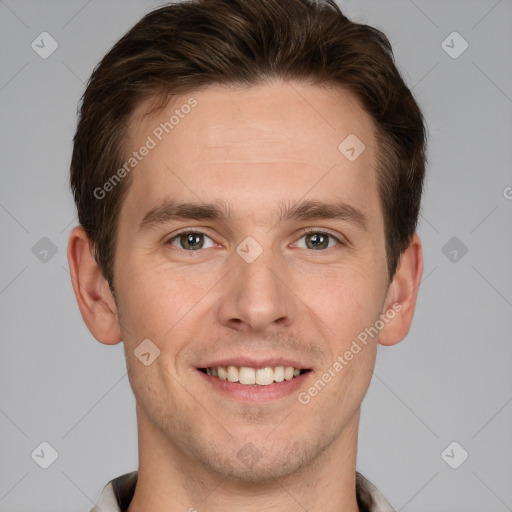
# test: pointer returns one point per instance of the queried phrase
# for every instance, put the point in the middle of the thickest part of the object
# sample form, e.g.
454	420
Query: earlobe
92	292
402	294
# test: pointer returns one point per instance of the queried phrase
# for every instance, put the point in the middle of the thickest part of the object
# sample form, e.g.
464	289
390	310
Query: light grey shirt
118	494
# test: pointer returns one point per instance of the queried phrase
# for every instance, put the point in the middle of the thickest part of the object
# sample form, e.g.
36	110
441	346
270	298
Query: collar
118	494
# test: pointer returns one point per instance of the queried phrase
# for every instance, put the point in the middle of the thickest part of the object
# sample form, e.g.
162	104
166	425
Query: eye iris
318	241
313	241
190	238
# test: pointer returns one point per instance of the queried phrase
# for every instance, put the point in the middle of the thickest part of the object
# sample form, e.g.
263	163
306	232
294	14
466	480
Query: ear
402	294
92	292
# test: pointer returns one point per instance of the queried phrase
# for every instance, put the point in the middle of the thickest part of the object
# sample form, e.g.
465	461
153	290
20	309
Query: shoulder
369	498
117	494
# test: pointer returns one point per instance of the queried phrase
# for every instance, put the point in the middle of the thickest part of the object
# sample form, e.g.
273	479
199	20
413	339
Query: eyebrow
172	210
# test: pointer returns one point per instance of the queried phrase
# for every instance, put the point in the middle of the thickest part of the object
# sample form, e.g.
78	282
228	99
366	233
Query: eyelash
306	231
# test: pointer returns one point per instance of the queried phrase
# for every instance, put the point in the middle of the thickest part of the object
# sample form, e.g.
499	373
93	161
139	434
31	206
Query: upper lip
255	363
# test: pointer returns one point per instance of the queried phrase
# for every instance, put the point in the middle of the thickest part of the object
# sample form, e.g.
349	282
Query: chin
249	464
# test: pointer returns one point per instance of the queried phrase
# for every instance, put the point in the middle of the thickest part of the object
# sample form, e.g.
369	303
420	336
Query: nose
257	296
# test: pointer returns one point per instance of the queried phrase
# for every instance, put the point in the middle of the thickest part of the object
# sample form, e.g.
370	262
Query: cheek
163	304
151	296
347	299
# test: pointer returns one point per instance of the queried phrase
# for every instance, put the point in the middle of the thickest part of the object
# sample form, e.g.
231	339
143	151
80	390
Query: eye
190	240
195	240
318	239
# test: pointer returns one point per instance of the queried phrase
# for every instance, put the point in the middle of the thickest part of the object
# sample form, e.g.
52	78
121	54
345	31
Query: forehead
253	144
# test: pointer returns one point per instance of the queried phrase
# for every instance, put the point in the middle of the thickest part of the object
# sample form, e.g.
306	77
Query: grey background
450	380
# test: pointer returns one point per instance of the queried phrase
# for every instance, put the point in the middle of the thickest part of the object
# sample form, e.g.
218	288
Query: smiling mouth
254	376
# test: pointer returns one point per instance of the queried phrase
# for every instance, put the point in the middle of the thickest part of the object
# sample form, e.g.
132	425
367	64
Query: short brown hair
188	45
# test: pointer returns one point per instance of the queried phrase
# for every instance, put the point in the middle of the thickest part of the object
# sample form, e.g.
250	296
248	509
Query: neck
170	479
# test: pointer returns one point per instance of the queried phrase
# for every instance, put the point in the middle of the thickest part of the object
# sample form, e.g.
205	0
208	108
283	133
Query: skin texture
255	148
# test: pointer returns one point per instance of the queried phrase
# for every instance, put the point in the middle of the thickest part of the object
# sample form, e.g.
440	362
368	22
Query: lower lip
250	393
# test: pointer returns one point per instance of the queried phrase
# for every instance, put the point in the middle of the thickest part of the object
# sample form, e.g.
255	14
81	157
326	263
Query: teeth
254	376
279	373
264	376
232	374
247	375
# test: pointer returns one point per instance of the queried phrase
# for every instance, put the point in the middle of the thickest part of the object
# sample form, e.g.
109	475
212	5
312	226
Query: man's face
282	297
